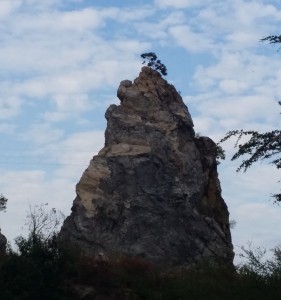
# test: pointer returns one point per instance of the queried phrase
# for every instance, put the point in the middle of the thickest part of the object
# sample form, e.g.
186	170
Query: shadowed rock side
153	190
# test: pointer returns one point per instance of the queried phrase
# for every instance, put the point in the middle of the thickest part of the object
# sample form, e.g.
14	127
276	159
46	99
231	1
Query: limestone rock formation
153	190
3	244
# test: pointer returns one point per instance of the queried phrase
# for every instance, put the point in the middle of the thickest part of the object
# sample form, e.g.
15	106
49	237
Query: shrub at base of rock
3	244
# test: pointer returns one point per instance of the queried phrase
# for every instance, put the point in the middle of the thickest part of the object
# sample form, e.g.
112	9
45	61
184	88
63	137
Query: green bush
39	269
33	273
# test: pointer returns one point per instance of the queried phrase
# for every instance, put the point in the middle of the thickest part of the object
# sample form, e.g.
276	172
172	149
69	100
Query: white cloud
179	3
42	134
249	12
7	128
41	5
239	88
190	40
242	38
223	25
245	108
74	149
84	19
33	188
9	107
248	196
218	113
203	124
127	14
68	106
160	30
56	116
69	157
233	86
7	7
249	68
80	147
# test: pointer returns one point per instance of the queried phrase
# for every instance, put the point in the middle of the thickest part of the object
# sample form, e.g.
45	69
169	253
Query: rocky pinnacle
153	190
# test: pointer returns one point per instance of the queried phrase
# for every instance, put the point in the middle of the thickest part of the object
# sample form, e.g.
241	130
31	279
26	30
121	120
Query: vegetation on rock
150	59
3	202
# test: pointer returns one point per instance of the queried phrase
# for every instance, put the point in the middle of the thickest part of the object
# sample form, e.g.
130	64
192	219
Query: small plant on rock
150	59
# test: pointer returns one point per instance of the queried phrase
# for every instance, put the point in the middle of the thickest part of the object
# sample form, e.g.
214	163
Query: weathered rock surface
3	244
153	190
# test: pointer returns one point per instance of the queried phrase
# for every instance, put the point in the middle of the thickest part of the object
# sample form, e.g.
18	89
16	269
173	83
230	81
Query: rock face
3	244
153	190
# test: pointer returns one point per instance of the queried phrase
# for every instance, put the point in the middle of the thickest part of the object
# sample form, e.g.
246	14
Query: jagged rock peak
153	190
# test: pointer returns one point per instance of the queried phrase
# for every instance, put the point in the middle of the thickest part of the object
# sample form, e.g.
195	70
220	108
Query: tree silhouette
259	146
272	39
150	59
3	202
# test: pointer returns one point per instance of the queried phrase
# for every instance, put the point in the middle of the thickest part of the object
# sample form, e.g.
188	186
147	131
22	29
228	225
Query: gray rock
153	190
3	244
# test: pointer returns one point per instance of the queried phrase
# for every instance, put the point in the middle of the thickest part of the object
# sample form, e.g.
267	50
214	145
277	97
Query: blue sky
62	62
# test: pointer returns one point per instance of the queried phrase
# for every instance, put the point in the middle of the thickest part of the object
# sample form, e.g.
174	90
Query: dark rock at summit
153	190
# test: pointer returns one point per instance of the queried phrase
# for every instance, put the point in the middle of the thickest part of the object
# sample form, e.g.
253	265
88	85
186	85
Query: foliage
42	223
45	272
272	39
259	146
40	269
261	275
151	60
3	202
33	271
220	154
257	264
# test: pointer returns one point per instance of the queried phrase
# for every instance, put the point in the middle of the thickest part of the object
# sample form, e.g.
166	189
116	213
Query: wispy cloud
179	3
